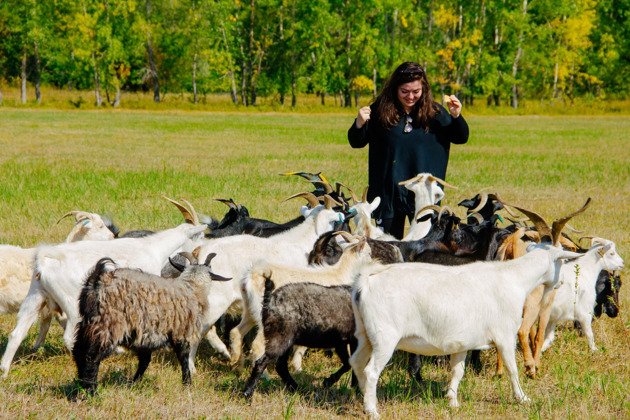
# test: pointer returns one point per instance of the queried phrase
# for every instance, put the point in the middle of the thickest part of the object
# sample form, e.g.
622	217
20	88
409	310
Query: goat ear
375	203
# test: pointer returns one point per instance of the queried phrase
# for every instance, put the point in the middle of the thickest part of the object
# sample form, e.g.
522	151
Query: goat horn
479	218
441	181
209	258
586	237
310	197
410	180
539	223
572	229
345	235
443	210
177	265
433	207
195	217
483	199
327	188
230	203
188	217
352	194
329	202
364	197
190	257
74	213
558	224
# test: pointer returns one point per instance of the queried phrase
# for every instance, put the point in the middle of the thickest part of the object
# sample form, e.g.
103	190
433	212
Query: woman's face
409	93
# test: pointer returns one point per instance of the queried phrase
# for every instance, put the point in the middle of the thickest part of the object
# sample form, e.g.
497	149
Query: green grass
122	162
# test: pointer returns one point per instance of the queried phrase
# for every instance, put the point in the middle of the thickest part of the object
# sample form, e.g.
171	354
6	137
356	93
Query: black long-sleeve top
396	156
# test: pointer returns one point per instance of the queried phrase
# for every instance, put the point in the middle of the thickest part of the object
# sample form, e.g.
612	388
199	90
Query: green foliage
548	50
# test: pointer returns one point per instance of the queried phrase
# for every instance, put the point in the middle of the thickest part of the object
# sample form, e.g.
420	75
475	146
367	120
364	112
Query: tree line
499	51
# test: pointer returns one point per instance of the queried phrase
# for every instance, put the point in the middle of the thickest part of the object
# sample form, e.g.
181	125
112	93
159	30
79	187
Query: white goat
237	254
16	267
253	289
59	272
575	299
427	191
428	310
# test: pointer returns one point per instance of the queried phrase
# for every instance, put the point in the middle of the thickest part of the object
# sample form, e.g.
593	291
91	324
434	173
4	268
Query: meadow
121	162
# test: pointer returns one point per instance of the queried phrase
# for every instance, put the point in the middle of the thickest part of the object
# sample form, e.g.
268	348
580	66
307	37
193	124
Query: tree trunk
346	93
117	98
24	60
519	52
97	82
230	74
38	74
194	77
152	66
374	91
293	61
250	56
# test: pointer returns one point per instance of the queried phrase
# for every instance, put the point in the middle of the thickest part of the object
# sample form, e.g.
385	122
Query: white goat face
426	190
612	260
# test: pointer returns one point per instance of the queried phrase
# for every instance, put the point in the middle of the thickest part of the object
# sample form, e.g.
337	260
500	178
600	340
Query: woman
408	134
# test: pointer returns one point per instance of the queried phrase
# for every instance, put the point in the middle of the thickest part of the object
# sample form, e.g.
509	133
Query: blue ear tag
501	218
86	222
340	218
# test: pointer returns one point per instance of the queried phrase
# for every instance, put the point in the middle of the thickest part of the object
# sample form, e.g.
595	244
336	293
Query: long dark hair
388	107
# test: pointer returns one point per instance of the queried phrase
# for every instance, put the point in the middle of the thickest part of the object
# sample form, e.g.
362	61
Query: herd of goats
451	286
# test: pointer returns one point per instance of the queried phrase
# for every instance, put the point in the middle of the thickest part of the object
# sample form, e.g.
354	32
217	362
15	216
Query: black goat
304	314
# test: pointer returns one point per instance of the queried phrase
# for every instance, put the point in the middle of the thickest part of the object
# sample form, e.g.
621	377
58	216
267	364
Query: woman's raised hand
363	116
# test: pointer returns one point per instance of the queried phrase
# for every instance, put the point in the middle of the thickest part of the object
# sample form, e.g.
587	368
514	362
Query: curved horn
70	213
364	196
325	185
558	224
346	235
441	181
433	207
479	218
310	197
190	218
539	223
230	203
352	194
410	180
329	202
195	218
177	265
572	229
209	258
190	257
445	209
483	199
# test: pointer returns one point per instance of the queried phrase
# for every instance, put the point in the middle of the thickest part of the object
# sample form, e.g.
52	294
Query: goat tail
88	298
269	287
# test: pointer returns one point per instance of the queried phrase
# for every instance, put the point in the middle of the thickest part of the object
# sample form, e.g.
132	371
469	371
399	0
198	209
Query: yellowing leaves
363	84
446	18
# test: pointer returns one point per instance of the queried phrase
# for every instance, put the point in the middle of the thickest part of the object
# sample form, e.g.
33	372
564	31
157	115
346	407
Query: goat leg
144	358
282	367
259	368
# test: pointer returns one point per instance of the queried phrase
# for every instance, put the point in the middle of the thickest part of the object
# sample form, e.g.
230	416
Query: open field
121	162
